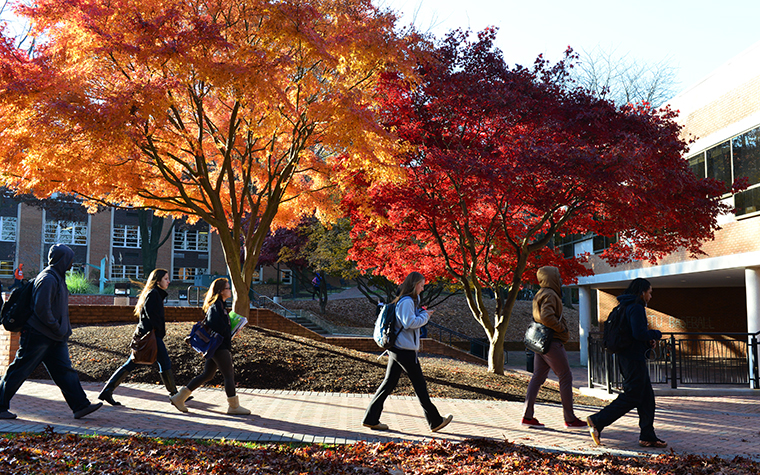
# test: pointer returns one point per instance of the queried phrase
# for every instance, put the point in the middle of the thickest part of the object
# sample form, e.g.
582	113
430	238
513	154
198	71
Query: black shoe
108	397
7	415
87	410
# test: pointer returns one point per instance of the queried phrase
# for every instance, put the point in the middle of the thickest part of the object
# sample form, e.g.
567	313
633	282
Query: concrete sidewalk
725	426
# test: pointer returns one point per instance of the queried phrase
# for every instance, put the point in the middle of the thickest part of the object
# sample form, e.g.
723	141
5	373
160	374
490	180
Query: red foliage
498	161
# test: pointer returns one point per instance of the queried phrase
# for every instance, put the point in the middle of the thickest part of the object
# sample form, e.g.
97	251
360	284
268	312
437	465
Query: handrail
462	336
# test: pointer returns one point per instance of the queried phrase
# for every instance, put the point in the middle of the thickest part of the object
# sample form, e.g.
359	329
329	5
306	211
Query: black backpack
617	331
18	308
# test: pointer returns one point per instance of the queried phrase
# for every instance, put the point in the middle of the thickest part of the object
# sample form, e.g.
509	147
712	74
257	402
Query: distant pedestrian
44	339
410	317
637	387
218	320
547	310
18	277
150	312
316	283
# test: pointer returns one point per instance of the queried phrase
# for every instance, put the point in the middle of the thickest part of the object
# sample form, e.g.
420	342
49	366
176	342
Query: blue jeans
35	348
637	394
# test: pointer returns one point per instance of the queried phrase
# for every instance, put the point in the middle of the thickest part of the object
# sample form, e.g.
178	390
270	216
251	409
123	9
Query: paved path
724	426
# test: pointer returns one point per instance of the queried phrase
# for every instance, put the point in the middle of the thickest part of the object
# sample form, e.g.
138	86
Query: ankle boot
106	394
167	377
179	399
235	407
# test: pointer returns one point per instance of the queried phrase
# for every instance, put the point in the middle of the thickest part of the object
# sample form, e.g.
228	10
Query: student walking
547	310
218	320
44	339
150	312
410	316
18	277
637	387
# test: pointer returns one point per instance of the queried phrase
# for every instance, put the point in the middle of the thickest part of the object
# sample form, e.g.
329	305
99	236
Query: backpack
617	331
18	308
384	335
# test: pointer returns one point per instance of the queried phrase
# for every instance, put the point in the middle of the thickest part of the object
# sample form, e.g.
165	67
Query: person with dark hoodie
637	387
150	312
547	310
44	339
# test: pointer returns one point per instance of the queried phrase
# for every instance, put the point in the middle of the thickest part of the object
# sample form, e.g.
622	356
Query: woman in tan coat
547	310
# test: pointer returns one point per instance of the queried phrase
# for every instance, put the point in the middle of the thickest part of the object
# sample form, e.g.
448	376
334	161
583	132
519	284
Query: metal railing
454	338
692	358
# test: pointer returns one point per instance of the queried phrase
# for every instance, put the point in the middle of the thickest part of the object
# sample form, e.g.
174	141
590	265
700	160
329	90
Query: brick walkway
725	426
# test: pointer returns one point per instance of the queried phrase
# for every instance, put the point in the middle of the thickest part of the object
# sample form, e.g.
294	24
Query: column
584	320
752	284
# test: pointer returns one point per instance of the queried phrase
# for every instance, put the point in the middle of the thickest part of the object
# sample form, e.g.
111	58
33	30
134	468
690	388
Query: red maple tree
499	161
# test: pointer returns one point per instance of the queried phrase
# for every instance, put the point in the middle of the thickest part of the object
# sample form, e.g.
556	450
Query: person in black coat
637	387
150	312
218	320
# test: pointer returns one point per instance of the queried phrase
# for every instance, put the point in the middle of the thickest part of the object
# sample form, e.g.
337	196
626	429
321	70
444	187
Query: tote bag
204	340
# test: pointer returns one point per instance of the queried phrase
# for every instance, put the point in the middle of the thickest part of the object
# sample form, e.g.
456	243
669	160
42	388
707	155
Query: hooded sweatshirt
642	335
547	304
51	296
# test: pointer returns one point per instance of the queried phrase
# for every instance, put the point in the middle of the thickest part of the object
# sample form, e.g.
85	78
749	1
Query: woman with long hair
410	317
150	312
218	320
637	387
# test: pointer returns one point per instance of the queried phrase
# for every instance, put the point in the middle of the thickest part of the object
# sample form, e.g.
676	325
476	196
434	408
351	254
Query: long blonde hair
409	286
214	292
153	279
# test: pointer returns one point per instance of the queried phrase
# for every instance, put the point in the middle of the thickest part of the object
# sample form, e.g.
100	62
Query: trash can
529	357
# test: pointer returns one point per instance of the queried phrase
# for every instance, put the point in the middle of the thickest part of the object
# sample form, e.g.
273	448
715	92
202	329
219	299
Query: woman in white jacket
410	317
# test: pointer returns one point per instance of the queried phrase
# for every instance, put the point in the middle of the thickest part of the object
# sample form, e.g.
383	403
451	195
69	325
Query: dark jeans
406	361
222	360
637	393
16	283
35	348
162	358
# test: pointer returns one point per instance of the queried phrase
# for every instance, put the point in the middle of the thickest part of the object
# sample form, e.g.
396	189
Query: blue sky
695	36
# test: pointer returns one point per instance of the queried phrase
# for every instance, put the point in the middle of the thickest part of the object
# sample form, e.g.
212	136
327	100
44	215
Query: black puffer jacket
152	313
218	320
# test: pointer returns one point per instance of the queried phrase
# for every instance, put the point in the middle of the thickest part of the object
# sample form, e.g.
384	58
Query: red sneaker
532	422
576	424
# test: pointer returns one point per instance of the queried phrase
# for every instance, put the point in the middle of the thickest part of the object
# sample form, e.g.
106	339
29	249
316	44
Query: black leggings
222	360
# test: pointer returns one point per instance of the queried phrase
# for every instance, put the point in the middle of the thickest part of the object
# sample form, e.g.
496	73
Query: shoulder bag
144	347
204	340
538	337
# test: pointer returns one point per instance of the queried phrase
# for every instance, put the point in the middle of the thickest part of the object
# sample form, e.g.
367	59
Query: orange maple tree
226	111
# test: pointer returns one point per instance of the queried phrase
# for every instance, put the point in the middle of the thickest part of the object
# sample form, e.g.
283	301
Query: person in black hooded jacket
44	339
150	311
637	387
218	320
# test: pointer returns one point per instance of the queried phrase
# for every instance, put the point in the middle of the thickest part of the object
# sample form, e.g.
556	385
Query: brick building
110	237
720	291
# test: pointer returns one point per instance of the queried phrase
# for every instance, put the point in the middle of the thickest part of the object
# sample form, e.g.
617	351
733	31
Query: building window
187	273
126	236
719	163
8	229
286	277
567	243
191	240
119	271
6	268
746	153
697	165
603	242
66	232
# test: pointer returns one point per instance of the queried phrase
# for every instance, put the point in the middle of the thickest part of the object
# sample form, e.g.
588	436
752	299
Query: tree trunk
496	352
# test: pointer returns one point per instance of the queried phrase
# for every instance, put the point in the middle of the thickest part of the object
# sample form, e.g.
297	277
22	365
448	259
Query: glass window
286	277
187	273
697	165
6	268
119	271
603	242
747	202
190	240
66	232
719	163
126	236
746	149
8	229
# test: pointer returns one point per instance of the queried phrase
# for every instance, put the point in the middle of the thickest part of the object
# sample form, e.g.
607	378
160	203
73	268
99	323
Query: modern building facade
719	291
